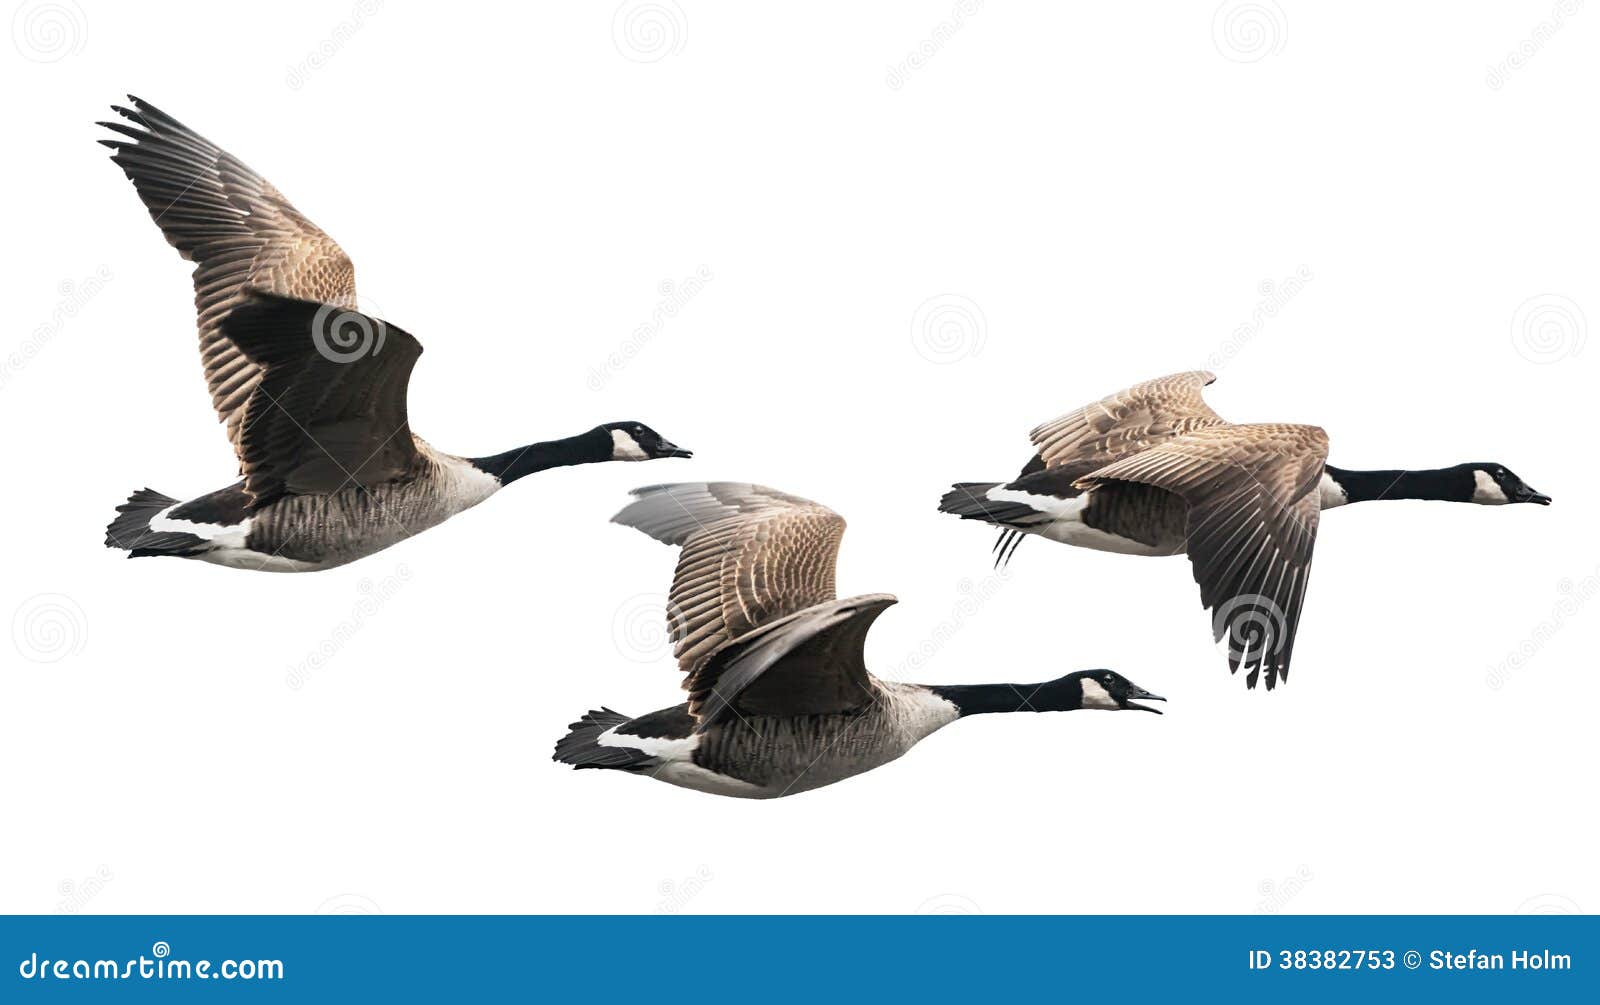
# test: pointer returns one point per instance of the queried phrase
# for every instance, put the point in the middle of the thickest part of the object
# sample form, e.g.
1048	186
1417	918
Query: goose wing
752	557
1253	506
320	416
811	662
1125	423
237	229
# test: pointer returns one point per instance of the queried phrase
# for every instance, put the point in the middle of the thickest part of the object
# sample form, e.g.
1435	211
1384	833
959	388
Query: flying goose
1152	470
780	700
312	392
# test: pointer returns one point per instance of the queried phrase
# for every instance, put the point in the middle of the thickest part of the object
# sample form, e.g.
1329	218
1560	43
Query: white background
1104	194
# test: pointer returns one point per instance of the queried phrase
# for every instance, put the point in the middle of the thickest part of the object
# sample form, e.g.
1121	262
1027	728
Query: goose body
1152	470
311	391
780	698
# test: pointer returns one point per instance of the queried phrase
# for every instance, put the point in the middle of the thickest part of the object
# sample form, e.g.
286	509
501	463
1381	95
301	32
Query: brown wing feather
751	555
1127	422
1253	506
237	229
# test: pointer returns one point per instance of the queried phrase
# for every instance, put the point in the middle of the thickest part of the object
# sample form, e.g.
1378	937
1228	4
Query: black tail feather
131	532
580	749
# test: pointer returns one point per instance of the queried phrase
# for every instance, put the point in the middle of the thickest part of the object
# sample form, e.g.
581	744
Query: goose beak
1530	496
673	450
1143	695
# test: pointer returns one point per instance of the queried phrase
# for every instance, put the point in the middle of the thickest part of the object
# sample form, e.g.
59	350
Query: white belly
257	561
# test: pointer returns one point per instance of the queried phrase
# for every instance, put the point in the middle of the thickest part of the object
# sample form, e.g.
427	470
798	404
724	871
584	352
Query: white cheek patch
1096	696
626	448
1486	490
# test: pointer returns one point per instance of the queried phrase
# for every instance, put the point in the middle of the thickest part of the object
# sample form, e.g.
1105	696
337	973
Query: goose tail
130	530
971	501
581	747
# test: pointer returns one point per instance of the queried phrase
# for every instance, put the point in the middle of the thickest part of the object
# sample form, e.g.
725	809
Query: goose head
1496	485
1103	689
635	441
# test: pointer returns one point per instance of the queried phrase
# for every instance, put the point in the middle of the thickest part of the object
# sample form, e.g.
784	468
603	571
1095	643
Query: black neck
976	699
1446	484
585	448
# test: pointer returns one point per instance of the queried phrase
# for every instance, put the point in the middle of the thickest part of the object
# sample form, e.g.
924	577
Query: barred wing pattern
1253	506
1132	420
237	229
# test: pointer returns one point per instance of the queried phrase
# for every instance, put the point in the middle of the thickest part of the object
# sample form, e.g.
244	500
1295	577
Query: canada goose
780	700
1152	471
313	392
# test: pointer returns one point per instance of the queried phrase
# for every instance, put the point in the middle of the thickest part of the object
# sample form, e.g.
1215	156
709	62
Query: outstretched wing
1127	422
1253	506
329	407
751	556
237	229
